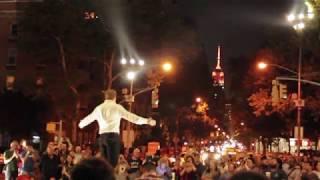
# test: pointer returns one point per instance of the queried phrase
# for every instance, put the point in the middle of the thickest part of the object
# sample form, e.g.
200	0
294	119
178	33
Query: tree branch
64	65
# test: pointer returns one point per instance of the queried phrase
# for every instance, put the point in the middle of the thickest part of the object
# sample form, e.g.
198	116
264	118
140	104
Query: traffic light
283	91
275	93
155	98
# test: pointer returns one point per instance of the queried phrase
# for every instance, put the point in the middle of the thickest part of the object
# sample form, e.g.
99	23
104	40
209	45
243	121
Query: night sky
238	25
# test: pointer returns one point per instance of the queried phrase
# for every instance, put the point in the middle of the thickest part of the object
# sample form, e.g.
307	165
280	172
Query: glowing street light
132	61
123	61
167	67
310	15
216	126
291	17
131	75
301	16
141	62
300	26
242	123
198	99
262	65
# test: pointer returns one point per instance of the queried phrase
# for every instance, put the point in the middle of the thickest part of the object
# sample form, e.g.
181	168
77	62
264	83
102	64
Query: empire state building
218	78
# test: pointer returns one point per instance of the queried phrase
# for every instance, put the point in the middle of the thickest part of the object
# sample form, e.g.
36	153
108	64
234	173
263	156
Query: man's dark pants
109	145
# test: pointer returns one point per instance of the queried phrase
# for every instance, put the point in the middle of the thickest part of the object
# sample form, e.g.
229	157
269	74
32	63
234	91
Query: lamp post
298	23
132	65
263	65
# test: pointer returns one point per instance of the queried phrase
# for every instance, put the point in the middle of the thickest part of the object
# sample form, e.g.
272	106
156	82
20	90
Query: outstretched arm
135	118
88	119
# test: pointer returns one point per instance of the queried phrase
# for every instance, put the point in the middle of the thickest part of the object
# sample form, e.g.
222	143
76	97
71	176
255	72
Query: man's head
136	153
92	169
110	94
78	149
14	145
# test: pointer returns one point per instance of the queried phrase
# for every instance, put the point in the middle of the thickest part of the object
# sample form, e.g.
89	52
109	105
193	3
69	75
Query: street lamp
198	100
167	67
131	75
299	24
264	65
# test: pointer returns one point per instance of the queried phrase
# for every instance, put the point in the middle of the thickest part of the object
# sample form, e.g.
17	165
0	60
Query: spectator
294	171
163	168
230	170
49	164
11	159
200	167
248	175
149	172
29	160
134	164
77	155
211	172
306	171
189	170
92	169
66	169
121	169
317	169
276	171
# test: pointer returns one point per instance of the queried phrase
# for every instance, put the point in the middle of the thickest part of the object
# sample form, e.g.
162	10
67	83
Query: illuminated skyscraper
217	104
218	78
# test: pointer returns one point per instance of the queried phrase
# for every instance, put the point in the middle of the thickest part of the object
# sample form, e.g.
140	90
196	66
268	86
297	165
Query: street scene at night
159	89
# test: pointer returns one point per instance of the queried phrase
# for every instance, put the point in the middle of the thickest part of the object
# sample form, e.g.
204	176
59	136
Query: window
39	81
12	56
14	30
10	82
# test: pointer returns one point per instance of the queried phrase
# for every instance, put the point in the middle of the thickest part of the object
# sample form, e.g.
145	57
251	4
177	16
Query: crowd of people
60	161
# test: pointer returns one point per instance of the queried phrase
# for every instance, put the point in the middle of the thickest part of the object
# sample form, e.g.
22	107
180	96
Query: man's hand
80	125
152	122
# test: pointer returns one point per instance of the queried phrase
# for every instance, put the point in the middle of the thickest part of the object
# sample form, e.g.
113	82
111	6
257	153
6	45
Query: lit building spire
218	59
217	73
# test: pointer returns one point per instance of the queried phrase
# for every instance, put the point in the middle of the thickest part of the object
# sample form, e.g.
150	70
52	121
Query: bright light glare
131	75
123	61
301	16
291	17
310	15
198	99
204	156
217	156
216	126
262	65
132	61
167	67
242	124
300	26
211	148
141	62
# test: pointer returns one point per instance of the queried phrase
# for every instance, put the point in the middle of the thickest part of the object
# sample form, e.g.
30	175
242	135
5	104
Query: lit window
10	82
39	81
